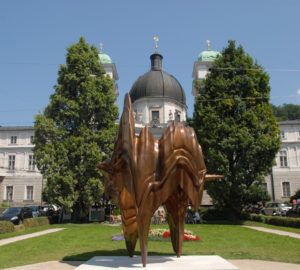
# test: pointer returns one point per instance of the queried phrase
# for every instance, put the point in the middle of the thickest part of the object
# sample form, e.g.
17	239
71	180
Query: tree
295	196
76	132
286	112
236	127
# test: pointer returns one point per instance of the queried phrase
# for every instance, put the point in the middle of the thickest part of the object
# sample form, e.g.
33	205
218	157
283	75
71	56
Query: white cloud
298	91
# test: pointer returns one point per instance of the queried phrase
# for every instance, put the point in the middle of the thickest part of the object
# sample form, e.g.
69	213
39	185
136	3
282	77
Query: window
9	193
13	139
155	115
264	186
282	134
177	116
29	193
283	158
11	162
31	139
31	163
286	189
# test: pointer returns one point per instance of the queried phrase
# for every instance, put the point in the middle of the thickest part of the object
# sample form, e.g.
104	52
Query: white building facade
285	178
20	181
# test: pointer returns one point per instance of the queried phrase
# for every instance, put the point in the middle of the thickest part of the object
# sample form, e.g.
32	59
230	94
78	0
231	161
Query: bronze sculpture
145	173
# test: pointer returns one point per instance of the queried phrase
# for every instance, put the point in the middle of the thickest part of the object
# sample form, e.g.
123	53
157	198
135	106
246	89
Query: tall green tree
236	128
286	112
76	131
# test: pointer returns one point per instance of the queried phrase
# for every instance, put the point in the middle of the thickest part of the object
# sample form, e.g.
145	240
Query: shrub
35	222
245	216
213	214
274	220
19	228
283	221
257	218
53	219
6	227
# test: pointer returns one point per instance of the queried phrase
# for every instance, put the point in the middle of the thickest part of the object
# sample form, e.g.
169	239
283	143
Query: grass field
80	242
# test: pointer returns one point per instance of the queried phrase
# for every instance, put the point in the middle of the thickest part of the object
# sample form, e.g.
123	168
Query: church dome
104	58
208	56
157	83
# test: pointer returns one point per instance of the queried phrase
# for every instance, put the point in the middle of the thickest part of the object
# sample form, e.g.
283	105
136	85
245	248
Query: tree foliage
286	112
295	196
236	127
76	131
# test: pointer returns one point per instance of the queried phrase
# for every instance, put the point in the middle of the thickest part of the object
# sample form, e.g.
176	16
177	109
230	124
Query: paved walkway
263	229
26	236
241	264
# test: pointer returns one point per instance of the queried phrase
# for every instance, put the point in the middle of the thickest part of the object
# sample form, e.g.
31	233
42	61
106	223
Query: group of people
193	217
159	216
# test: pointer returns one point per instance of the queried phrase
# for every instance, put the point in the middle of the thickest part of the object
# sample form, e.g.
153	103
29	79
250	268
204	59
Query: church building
158	99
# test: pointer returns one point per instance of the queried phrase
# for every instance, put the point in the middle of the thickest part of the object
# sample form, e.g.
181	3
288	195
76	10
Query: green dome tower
203	65
109	67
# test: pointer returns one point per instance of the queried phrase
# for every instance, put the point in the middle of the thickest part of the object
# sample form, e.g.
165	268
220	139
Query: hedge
19	228
213	214
35	222
274	220
6	227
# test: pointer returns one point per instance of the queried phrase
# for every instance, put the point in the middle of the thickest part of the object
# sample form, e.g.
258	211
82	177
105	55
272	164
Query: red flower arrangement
190	237
159	234
186	236
166	235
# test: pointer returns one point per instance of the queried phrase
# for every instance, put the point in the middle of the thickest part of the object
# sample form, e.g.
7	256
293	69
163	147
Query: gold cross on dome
101	47
208	44
156	39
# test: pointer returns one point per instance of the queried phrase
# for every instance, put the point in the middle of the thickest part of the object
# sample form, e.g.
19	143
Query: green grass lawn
81	242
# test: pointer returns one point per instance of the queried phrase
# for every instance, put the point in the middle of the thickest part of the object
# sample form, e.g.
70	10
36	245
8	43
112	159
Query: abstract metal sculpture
145	173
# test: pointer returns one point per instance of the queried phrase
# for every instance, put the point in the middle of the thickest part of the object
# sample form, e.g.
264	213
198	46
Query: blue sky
35	35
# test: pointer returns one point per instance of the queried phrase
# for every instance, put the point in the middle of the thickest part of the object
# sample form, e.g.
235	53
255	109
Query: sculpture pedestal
158	263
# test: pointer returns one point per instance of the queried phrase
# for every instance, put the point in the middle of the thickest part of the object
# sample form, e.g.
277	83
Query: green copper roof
104	58
208	56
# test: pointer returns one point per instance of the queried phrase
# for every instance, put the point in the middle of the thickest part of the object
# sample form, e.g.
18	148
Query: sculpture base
158	263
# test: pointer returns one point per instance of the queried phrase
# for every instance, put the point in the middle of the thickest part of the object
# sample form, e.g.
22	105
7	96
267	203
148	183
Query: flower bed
163	234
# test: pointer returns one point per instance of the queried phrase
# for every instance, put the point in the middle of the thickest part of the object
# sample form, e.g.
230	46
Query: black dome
157	83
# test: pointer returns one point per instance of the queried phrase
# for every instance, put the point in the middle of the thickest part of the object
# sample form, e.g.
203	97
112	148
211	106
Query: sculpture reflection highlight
145	173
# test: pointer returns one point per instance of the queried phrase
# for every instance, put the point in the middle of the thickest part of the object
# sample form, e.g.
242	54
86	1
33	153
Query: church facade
158	99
